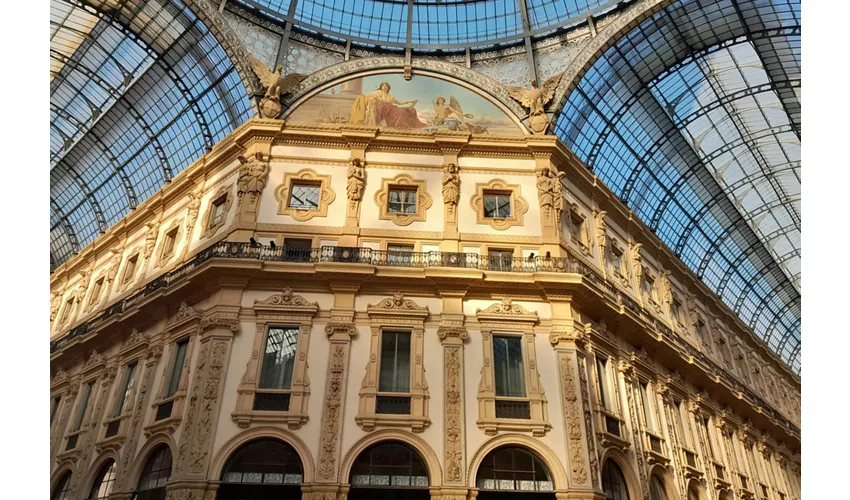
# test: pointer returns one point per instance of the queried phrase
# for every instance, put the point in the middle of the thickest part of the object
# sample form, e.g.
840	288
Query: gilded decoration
403	182
519	205
280	309
398	314
305	176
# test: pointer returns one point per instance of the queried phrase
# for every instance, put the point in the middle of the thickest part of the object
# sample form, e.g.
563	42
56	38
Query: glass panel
656	489
497	205
395	362
102	486
176	368
601	376
122	404
279	358
402	201
613	482
513	469
389	464
508	367
305	196
218	211
84	404
54	405
157	470
63	488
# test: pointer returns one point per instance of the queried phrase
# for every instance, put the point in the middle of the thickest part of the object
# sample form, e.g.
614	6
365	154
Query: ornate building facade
375	298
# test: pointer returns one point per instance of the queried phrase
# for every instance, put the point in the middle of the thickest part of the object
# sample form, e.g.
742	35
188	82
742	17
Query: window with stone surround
394	392
216	214
403	200
275	388
304	194
510	395
499	204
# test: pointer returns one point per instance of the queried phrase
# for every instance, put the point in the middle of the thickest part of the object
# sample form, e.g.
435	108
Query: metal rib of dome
138	91
693	119
434	24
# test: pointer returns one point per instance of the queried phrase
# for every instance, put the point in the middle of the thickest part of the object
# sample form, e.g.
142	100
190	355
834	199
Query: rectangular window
395	362
217	214
497	205
500	260
84	404
176	368
508	367
95	292
649	288
66	313
122	403
402	201
647	400
730	445
130	268
676	311
305	196
617	260
279	357
707	429
577	229
168	244
602	376
54	406
683	431
399	255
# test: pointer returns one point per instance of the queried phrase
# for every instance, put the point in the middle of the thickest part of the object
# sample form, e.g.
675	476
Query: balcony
654	449
691	468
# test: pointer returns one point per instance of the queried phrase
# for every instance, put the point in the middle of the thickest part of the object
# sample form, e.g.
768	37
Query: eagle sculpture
275	84
536	98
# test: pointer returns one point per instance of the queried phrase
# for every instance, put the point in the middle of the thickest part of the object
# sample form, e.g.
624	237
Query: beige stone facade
626	356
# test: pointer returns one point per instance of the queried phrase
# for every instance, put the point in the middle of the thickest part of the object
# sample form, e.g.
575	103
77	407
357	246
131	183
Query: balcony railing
368	256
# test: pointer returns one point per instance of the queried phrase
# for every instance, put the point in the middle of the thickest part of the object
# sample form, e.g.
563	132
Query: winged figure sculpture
274	82
536	98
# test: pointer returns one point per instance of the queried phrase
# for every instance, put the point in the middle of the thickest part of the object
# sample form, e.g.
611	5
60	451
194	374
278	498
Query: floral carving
183	313
573	420
453	446
219	320
507	308
398	302
332	414
588	422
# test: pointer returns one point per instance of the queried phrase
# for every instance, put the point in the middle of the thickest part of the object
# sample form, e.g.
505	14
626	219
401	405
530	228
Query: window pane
176	368
84	403
409	198
54	405
63	488
279	358
601	376
102	487
401	201
395	362
305	196
123	402
508	367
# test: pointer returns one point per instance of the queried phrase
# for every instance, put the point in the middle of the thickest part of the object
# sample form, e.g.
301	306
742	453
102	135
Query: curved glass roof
436	24
693	119
137	92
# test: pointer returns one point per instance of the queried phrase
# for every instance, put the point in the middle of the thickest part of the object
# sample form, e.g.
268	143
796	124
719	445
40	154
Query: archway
155	475
103	482
657	489
614	482
389	470
513	472
260	470
62	490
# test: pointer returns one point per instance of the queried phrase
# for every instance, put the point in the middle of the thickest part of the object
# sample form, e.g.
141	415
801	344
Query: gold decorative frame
227	193
519	205
284	308
177	224
423	199
309	176
510	320
404	314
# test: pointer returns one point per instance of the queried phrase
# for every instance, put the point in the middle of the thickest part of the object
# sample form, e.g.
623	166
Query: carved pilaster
452	338
573	419
339	335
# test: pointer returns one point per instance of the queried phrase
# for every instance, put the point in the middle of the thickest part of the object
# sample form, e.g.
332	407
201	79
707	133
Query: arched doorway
103	482
613	481
513	472
389	471
264	469
155	475
62	491
657	490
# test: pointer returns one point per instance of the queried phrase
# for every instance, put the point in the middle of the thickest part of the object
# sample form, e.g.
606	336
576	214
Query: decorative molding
307	176
573	419
450	191
519	205
403	181
225	192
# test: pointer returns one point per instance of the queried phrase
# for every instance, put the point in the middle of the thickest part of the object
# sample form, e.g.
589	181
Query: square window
497	205
217	215
401	201
305	196
130	271
168	244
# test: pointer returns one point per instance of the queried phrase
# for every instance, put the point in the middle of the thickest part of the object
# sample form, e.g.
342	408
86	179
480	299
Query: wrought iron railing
368	256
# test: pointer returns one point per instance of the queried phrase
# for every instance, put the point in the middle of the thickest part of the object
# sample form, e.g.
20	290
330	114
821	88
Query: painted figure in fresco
451	115
380	109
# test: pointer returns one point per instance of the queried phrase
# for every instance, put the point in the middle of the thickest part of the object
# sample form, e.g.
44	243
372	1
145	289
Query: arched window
155	475
613	482
265	468
103	483
513	469
693	492
657	491
391	465
63	488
